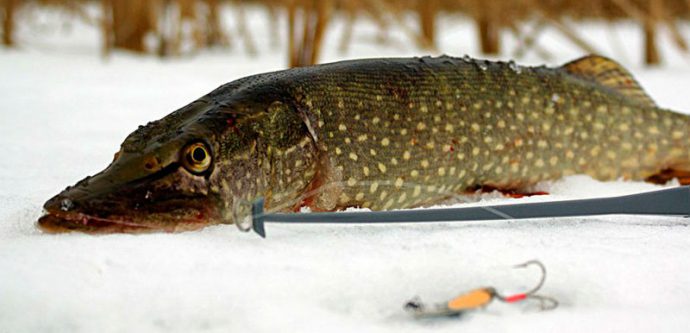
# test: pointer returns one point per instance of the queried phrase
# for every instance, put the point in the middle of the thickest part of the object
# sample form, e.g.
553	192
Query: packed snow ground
64	111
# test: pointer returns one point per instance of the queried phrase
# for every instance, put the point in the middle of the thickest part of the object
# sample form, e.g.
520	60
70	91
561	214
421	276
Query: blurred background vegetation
160	27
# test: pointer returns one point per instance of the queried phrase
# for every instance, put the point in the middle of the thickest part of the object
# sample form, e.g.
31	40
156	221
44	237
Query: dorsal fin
609	73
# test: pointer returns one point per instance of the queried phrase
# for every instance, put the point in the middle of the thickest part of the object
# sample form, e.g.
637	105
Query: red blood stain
522	195
232	123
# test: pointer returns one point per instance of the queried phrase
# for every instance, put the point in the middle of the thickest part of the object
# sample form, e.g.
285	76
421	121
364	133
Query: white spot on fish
595	151
344	198
399	182
383	195
351	182
382	167
417	190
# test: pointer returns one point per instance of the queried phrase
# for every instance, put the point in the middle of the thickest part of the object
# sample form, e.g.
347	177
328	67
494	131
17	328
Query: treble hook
545	302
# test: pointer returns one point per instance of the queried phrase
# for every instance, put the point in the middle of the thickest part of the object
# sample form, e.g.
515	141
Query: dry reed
163	26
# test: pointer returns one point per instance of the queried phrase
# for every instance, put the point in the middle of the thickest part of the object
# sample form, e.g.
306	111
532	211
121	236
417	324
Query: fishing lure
480	298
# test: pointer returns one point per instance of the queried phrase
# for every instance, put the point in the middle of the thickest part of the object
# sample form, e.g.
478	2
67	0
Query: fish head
198	166
158	180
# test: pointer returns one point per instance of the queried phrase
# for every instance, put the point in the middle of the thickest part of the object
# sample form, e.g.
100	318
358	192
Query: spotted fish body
377	133
408	132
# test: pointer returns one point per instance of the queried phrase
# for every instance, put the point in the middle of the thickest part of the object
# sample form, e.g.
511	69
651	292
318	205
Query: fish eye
196	157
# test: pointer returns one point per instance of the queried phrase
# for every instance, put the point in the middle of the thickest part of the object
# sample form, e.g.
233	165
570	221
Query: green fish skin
376	133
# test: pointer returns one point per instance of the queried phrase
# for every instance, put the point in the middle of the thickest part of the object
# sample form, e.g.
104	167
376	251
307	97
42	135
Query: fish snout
71	198
60	203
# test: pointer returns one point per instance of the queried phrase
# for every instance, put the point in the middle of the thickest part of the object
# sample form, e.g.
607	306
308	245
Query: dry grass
126	24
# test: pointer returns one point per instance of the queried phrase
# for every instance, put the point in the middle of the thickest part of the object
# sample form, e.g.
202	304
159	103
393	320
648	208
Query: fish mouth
60	222
120	200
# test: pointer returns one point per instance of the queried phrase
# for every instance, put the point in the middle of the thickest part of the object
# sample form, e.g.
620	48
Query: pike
380	134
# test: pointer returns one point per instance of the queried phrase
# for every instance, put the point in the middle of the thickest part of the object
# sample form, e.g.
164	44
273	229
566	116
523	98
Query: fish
382	134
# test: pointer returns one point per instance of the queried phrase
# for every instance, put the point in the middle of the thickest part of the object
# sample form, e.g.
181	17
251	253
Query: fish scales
404	133
376	133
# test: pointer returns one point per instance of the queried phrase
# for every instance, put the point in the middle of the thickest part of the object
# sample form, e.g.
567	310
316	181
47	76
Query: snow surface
64	111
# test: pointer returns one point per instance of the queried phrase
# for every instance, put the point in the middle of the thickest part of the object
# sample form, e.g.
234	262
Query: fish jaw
59	223
172	203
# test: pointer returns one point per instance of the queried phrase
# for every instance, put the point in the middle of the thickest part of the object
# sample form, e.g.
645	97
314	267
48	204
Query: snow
64	111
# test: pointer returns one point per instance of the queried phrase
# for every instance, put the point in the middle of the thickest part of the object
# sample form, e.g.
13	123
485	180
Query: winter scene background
64	110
